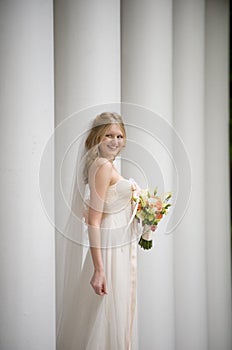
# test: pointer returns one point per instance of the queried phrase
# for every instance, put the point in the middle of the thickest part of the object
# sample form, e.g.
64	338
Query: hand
98	282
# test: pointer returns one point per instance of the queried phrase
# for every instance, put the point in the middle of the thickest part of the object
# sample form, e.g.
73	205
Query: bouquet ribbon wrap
147	233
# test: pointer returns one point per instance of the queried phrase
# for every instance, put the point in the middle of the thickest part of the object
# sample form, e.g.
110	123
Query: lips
113	148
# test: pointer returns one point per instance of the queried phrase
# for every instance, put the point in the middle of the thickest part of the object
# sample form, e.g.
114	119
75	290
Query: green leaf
155	190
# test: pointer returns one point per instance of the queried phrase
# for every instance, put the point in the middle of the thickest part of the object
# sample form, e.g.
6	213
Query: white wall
27	290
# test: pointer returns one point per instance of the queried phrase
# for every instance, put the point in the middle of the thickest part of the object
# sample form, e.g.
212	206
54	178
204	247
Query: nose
114	141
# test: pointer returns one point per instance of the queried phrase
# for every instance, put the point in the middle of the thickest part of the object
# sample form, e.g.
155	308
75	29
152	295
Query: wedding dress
87	321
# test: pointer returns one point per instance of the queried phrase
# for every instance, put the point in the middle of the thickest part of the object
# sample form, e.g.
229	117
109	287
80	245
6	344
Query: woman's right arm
99	181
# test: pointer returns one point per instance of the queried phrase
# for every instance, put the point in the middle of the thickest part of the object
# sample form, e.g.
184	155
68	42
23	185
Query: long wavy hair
100	124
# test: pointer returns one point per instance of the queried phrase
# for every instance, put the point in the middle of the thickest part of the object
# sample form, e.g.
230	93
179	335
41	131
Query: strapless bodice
118	196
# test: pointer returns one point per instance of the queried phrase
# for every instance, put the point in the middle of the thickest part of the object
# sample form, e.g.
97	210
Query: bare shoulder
102	161
101	164
100	170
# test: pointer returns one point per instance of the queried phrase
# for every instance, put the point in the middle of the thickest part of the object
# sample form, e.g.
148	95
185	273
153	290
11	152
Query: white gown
92	322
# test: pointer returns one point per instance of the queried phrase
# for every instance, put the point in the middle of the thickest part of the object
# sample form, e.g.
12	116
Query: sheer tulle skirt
85	320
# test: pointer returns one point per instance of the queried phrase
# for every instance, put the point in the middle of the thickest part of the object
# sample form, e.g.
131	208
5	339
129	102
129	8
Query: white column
147	81
27	238
189	237
87	79
87	54
87	74
217	175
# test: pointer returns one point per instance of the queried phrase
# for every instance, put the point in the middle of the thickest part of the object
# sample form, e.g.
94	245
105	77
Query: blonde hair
100	124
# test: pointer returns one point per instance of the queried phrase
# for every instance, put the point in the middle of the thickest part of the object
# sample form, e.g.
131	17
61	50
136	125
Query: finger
104	289
97	289
99	292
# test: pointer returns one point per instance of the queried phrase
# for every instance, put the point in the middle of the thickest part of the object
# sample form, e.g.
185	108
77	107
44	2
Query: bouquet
150	210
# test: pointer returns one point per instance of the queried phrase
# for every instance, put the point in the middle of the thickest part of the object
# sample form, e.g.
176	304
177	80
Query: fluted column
189	121
87	82
217	175
27	239
87	55
147	85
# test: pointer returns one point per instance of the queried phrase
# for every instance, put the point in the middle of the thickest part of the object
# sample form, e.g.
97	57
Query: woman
100	308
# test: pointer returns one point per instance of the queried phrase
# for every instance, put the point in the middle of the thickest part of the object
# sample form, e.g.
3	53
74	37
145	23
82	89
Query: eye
112	136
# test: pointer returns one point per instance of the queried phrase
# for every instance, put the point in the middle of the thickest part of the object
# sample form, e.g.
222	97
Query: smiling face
112	142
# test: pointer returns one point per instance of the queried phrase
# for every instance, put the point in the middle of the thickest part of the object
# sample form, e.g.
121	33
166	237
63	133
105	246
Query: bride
98	304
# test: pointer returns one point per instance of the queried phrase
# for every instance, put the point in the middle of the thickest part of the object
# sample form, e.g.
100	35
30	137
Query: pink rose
158	205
